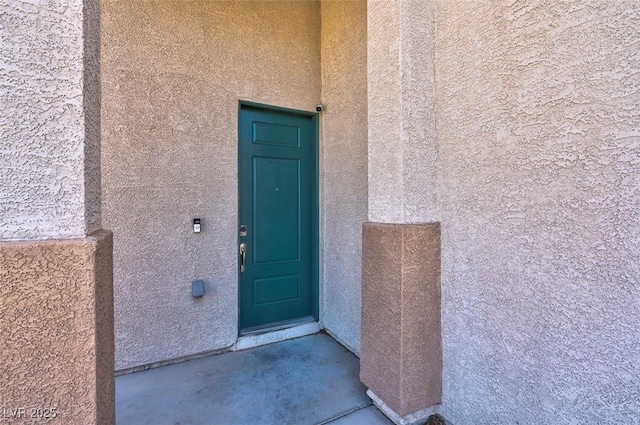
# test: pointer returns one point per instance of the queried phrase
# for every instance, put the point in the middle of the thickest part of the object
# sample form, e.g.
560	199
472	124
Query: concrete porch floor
306	381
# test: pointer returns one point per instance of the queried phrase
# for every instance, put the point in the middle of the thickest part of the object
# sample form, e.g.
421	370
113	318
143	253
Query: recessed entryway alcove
173	74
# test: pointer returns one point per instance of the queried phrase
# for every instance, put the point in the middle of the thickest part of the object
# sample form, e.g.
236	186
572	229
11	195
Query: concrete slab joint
401	359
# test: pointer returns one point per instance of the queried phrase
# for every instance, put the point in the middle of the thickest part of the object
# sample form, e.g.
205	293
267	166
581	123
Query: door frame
315	196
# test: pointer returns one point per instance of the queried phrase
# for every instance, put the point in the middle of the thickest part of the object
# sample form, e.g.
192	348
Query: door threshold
256	330
276	334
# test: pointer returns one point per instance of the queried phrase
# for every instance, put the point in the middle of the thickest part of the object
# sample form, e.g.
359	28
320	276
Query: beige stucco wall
538	123
56	322
401	359
344	164
172	75
56	306
402	151
49	119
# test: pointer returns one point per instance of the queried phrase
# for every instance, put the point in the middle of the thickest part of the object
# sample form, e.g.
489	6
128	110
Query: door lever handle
243	256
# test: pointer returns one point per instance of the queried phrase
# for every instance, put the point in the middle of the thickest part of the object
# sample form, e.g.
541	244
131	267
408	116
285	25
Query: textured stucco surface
538	112
49	119
172	75
344	164
56	323
401	359
401	94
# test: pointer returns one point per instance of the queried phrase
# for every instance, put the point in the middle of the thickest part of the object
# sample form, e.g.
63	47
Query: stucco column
56	314
401	360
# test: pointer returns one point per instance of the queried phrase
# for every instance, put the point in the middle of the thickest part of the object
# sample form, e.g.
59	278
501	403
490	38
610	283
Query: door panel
278	135
277	189
276	289
276	209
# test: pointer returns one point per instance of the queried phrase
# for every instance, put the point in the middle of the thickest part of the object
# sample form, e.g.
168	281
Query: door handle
243	256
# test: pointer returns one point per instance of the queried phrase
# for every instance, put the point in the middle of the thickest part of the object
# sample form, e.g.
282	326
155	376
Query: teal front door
277	236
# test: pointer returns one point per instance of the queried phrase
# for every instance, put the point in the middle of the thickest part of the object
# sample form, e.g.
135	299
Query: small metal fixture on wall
197	288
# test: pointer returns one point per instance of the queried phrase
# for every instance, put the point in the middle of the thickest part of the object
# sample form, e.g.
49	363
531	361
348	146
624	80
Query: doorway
278	217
